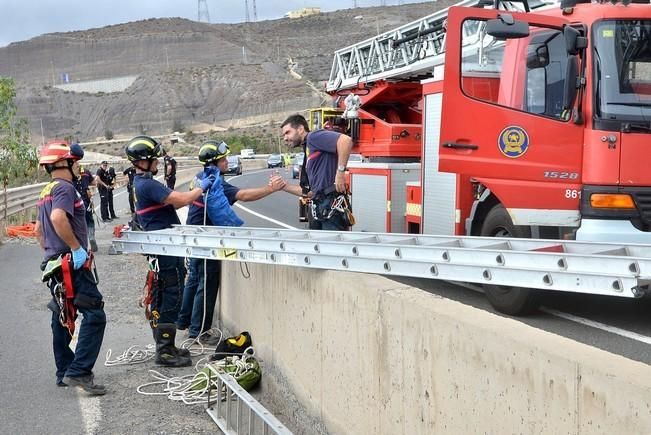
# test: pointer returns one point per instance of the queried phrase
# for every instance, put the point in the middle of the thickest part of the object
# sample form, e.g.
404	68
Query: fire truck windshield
622	74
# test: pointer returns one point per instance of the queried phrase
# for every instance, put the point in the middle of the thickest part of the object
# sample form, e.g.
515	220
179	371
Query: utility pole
247	18
202	11
255	12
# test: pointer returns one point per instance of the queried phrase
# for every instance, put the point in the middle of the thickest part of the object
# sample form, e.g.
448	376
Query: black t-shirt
107	176
130	172
170	167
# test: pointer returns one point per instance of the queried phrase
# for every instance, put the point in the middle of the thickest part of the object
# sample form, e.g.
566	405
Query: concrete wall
367	355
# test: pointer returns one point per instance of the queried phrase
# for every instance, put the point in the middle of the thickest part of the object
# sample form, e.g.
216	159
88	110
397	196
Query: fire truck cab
544	121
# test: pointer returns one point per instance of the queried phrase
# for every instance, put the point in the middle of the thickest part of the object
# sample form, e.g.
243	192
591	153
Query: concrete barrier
367	355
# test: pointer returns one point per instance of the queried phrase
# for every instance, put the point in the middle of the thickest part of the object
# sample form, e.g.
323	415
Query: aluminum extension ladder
409	51
582	267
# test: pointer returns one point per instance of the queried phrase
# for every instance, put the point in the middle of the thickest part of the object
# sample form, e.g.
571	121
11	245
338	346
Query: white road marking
594	324
91	413
261	216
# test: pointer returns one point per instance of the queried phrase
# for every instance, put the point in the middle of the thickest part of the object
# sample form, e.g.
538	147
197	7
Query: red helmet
58	150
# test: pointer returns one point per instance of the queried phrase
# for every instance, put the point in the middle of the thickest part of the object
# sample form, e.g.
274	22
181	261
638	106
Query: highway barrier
363	354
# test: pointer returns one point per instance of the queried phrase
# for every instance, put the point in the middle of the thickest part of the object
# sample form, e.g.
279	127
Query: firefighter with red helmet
63	235
156	206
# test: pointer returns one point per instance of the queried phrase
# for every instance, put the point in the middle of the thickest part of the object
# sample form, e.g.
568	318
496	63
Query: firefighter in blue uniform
63	235
156	206
212	154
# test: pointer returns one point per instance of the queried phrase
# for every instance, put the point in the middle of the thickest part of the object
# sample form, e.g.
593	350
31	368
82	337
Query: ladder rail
607	283
594	268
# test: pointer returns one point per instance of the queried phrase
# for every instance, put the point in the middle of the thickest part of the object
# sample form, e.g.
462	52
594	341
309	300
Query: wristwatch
341	168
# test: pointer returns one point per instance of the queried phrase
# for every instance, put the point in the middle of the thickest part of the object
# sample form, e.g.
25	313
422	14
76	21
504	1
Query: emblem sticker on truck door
513	142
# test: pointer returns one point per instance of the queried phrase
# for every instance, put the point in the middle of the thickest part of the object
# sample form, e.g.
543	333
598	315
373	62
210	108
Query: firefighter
63	235
82	184
156	206
212	154
105	181
322	180
130	172
170	170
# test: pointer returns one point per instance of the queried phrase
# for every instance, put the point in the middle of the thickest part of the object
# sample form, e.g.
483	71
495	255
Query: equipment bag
232	346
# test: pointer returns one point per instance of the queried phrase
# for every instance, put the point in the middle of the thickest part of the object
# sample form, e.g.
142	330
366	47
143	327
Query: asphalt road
617	325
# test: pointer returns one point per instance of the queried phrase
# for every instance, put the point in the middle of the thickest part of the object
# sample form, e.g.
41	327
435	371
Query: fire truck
526	119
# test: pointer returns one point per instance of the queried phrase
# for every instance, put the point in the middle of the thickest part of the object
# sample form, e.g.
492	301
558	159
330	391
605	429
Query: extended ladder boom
409	51
582	267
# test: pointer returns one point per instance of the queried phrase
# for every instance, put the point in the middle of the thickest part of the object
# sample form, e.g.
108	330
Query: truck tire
514	301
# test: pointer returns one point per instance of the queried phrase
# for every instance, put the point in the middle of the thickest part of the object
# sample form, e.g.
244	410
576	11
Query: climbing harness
148	291
57	272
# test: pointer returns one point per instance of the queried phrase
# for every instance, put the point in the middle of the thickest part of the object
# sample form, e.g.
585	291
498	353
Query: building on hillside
305	12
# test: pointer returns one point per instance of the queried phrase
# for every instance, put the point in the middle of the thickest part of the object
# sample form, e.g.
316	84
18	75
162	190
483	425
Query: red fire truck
529	119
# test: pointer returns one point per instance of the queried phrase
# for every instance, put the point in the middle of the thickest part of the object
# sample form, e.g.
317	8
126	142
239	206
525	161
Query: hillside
185	73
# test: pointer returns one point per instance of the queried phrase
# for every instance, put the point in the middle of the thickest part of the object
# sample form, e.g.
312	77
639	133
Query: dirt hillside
185	73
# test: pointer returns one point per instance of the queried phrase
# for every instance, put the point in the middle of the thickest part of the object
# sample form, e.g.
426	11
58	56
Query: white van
247	153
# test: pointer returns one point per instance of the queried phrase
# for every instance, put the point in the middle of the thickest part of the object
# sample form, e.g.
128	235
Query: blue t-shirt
196	210
150	195
321	165
61	194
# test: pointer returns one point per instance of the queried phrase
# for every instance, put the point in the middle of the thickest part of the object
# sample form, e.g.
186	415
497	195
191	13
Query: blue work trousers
192	314
91	333
167	293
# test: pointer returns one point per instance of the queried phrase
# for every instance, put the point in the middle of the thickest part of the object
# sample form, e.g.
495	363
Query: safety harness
57	272
148	291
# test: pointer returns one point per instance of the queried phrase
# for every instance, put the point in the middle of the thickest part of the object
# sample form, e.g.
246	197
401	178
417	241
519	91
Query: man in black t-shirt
105	184
130	172
170	171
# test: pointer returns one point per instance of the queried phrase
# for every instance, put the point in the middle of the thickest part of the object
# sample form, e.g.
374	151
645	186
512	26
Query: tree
18	159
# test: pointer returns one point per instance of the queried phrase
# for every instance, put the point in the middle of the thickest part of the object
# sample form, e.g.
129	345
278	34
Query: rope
133	355
194	389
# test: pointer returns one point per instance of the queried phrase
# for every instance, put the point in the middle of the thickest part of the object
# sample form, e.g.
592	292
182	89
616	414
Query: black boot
178	350
166	353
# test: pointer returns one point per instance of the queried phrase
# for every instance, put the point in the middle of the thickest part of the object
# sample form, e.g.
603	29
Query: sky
24	19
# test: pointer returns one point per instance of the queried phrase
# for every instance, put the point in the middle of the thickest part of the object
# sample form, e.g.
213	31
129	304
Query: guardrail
19	199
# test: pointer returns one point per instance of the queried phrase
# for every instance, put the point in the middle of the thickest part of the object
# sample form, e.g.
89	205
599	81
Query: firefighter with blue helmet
156	206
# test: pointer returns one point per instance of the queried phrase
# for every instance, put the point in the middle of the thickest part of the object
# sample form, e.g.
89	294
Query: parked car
247	153
296	165
275	161
355	158
234	165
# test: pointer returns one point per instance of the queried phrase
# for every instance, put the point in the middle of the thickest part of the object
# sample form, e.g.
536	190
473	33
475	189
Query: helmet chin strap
72	173
148	169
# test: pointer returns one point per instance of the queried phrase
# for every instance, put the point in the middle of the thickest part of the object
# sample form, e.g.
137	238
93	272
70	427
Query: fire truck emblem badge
513	142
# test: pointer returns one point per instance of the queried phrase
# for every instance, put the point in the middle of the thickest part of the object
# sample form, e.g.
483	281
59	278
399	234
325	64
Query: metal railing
235	411
18	200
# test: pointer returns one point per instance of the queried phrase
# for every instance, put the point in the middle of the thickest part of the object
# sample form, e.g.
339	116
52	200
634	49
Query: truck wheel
514	301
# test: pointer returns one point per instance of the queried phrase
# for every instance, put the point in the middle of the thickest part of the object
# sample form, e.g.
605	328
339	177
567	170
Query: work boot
180	351
167	354
86	383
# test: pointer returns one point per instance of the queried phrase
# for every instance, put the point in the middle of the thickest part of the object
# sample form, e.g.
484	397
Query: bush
108	134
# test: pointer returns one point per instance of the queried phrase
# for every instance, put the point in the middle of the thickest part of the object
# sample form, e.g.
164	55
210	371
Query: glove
79	257
207	182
